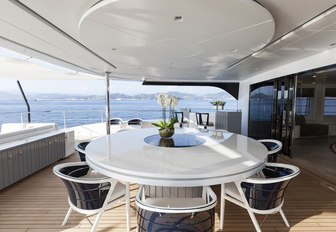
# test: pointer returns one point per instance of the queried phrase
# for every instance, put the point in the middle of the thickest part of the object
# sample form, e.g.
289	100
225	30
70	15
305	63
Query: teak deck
39	203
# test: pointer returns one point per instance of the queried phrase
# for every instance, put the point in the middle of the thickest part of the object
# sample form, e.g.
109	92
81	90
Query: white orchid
163	100
166	101
173	102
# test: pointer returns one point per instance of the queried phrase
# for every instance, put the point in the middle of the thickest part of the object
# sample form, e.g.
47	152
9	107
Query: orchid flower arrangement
167	102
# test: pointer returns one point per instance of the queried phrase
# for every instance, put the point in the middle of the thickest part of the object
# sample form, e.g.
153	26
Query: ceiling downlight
178	18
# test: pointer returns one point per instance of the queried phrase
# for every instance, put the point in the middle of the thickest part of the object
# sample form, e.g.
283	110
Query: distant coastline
79	111
114	96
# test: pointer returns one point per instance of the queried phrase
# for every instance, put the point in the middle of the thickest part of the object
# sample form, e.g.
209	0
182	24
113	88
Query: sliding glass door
271	110
260	110
282	119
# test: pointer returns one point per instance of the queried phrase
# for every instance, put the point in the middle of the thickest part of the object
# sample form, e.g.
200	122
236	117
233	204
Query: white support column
107	102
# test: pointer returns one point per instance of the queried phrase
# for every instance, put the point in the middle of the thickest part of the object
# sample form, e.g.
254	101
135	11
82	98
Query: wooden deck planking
39	203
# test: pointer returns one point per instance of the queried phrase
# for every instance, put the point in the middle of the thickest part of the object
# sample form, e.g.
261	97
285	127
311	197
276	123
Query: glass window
304	101
303	105
329	106
330	102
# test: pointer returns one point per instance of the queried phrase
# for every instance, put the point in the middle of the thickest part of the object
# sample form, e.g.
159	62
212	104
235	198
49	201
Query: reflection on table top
223	157
178	140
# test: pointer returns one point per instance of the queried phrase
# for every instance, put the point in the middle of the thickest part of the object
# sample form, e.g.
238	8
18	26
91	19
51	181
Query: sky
95	87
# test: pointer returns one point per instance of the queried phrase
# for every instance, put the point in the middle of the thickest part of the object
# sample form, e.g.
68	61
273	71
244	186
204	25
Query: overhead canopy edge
230	87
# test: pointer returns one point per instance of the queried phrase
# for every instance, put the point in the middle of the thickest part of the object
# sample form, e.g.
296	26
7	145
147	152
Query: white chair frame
272	141
120	122
80	150
108	204
241	201
207	194
139	119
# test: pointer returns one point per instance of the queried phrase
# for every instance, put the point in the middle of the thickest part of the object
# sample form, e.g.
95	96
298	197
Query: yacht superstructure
232	41
260	51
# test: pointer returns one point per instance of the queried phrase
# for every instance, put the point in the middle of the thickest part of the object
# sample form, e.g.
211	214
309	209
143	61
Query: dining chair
260	195
116	121
175	208
274	148
135	122
180	117
90	192
80	148
202	119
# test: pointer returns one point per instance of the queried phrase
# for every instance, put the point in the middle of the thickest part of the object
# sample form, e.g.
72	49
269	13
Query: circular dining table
190	158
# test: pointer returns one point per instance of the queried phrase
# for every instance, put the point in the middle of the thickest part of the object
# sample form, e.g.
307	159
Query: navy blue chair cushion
83	195
134	122
268	195
82	146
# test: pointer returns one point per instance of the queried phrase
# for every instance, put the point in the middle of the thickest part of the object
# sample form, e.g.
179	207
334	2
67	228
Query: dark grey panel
230	121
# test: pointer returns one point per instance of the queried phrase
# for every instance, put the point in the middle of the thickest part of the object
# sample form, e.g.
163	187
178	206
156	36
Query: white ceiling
139	39
28	68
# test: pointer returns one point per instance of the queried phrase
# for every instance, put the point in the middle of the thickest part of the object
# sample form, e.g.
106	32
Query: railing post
107	101
26	101
64	120
21	117
101	117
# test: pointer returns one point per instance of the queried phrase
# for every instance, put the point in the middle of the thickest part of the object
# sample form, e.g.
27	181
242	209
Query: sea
70	113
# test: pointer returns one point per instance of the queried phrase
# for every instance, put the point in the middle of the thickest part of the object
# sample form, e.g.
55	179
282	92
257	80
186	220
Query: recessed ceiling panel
193	39
147	32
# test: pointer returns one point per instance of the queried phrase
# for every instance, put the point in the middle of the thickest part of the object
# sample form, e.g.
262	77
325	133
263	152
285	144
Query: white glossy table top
222	158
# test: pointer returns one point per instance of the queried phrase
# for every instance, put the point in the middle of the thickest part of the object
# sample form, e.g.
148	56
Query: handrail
70	118
65	117
25	99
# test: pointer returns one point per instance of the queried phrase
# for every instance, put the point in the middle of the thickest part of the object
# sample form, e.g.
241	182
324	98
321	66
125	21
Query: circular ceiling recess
174	48
174	31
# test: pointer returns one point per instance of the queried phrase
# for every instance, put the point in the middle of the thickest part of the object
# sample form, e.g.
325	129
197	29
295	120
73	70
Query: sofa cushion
26	132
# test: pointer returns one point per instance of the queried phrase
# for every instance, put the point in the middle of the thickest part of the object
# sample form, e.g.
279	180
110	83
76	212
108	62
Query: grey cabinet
7	176
21	161
230	121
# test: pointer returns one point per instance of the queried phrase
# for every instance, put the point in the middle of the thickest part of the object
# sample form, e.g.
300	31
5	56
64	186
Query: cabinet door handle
10	157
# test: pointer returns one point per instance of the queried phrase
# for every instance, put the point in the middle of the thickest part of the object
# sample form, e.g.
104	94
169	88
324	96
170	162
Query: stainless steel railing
70	118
